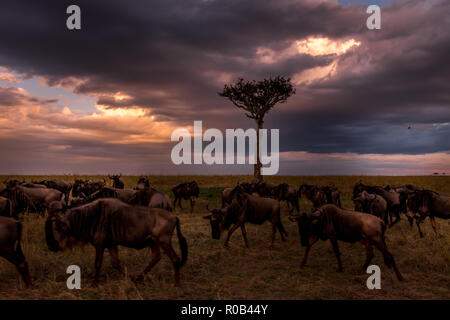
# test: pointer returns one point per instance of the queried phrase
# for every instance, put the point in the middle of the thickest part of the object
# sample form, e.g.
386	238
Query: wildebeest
427	203
392	198
117	183
373	204
6	209
314	194
62	186
36	199
333	223
263	188
160	200
10	247
320	195
245	208
125	195
143	183
403	192
187	190
84	188
287	193
109	223
227	192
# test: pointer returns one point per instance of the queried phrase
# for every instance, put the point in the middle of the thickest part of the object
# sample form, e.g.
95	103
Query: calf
333	223
10	248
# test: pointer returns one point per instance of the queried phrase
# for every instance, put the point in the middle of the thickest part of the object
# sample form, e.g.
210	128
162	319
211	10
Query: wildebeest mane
87	220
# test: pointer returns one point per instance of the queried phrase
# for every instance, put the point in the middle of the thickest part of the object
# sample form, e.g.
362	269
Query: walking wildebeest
10	247
403	192
245	208
427	203
117	183
392	198
333	223
287	193
109	223
62	186
187	190
373	204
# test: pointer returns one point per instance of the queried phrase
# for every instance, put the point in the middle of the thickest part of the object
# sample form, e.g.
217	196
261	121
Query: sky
106	98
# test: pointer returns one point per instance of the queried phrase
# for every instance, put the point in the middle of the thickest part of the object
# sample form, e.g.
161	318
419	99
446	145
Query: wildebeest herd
110	216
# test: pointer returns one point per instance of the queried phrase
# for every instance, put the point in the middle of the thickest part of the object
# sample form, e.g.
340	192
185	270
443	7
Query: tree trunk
258	165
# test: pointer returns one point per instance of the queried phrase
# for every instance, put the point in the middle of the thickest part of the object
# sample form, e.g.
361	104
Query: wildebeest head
56	227
308	226
143	183
358	188
362	200
216	218
77	186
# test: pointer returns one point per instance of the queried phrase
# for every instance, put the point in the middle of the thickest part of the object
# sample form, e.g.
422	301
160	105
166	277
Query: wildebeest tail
183	244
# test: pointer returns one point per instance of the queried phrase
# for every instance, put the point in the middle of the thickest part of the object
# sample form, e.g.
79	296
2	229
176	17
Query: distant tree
256	98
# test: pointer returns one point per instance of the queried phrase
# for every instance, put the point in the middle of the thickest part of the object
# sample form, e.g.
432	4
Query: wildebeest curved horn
207	208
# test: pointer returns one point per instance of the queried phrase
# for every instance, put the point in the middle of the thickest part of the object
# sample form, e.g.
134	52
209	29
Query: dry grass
214	272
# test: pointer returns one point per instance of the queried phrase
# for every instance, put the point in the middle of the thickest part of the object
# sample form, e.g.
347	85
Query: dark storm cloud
171	57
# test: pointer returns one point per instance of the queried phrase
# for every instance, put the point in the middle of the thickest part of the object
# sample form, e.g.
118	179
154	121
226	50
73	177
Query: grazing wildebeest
10	247
84	188
373	204
392	198
245	208
6	209
143	183
331	222
427	203
263	188
117	183
287	193
19	201
64	187
109	223
187	190
125	195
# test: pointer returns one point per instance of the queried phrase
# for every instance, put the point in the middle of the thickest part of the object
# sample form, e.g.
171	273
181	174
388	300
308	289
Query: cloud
154	66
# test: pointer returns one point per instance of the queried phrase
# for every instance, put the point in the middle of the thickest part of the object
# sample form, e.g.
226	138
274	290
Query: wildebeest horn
207	208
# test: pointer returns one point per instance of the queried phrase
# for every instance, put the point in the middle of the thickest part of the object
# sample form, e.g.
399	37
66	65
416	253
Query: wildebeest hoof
340	270
302	265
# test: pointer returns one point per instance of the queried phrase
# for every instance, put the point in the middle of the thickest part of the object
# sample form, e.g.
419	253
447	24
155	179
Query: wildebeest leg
168	249
232	229
19	261
418	221
114	253
156	256
388	258
192	204
99	250
179	203
397	218
274	231
244	234
305	257
369	255
334	243
433	224
281	229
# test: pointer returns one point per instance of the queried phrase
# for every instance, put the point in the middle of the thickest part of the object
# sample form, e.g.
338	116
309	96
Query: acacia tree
256	98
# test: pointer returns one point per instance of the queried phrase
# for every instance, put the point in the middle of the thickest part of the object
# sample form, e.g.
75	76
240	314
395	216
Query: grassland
214	272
